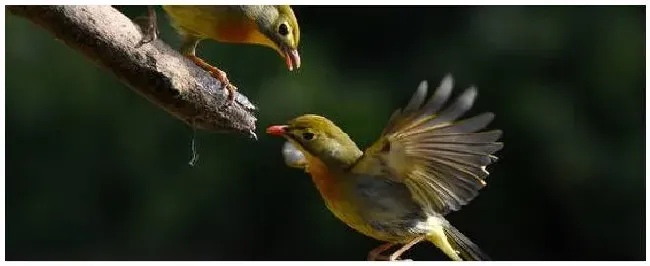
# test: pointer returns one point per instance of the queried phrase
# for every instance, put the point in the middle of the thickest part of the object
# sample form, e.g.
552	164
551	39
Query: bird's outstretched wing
441	160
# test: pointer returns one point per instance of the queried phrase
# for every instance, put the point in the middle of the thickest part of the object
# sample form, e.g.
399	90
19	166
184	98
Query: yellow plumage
425	164
274	26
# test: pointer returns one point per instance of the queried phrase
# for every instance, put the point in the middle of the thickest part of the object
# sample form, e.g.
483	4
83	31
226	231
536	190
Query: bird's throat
325	179
245	31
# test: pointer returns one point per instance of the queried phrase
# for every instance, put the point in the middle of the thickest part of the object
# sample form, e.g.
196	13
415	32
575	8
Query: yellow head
277	28
319	137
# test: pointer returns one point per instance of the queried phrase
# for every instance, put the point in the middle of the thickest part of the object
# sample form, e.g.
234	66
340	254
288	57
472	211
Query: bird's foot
220	75
149	29
395	255
375	254
223	78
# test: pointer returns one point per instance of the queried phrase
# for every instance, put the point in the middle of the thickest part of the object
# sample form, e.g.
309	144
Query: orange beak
293	59
278	131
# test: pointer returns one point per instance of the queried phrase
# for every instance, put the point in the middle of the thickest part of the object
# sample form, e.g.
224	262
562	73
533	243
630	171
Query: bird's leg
404	248
150	29
188	48
376	253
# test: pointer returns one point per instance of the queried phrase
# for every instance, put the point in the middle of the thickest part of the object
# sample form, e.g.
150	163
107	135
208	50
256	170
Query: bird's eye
308	136
283	29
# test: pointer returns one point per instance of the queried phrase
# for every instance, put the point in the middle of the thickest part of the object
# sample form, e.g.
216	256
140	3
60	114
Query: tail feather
466	249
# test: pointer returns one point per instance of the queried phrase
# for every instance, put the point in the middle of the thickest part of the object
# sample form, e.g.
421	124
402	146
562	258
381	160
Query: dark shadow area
96	172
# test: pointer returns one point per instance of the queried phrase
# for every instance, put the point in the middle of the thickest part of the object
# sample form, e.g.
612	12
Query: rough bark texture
154	70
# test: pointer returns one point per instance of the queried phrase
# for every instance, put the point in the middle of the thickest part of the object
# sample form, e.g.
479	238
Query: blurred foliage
94	171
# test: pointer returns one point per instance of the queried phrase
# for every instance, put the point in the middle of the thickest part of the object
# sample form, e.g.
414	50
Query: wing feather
441	160
418	98
440	96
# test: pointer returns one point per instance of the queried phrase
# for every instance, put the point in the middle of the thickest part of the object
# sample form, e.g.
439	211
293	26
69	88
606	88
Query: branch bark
155	70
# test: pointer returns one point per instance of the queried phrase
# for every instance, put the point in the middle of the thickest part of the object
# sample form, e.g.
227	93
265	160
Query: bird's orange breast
332	188
237	31
325	180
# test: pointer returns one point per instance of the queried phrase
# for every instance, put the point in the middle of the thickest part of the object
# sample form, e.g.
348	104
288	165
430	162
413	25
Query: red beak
293	59
277	130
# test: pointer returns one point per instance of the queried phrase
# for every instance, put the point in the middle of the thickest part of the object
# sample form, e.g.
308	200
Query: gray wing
388	206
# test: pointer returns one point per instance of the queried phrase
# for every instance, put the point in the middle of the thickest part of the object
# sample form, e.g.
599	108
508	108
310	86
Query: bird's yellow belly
347	213
342	204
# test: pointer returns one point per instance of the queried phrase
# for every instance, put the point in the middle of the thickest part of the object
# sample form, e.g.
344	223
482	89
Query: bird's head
321	138
279	28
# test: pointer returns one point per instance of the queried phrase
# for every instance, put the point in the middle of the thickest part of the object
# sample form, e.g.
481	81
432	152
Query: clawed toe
149	28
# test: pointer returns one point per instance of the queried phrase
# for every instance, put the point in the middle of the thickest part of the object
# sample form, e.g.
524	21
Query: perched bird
272	26
425	165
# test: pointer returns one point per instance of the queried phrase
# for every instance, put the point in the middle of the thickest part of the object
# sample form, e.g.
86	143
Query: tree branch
155	70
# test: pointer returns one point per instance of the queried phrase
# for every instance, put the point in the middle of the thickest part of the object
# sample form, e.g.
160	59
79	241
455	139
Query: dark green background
94	171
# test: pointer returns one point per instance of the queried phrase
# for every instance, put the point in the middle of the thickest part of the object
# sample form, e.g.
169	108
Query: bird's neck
329	168
327	179
240	30
340	159
324	179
